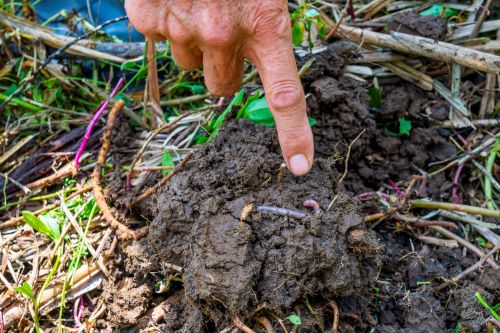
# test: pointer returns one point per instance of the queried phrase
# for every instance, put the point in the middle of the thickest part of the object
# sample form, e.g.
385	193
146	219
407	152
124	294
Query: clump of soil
415	24
236	259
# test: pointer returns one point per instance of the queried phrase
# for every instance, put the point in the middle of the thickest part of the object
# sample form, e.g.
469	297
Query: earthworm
282	211
314	205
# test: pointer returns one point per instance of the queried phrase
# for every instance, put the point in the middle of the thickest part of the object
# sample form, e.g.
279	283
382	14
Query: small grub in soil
233	265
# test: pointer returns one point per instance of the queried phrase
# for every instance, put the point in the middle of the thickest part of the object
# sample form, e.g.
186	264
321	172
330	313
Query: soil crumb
236	259
414	24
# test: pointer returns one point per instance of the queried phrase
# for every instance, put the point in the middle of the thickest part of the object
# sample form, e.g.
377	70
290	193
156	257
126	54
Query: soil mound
237	258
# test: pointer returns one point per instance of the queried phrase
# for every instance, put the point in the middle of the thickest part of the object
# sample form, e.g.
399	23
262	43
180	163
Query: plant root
241	326
123	231
266	323
336	315
162	182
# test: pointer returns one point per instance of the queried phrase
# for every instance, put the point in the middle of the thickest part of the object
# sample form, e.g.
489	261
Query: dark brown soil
414	24
233	265
258	263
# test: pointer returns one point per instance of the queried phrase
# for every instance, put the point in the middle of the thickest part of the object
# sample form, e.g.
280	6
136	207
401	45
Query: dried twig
464	243
346	161
162	182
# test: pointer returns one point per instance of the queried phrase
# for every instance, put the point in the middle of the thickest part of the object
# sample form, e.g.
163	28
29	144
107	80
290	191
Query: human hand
220	34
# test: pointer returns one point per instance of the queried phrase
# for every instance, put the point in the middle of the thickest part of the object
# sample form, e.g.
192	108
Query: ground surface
270	264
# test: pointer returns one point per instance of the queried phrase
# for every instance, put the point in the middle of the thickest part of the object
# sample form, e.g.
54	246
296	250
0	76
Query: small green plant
49	227
258	112
458	328
294	319
487	306
167	161
439	9
375	94
304	19
26	290
405	126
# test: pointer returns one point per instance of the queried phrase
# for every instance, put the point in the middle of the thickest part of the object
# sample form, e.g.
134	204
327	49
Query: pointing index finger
272	54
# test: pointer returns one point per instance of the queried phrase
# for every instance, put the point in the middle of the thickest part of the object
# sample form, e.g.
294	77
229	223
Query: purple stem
76	314
94	120
395	188
454	191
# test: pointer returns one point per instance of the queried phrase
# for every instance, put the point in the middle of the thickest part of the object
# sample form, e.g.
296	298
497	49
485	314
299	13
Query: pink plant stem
455	198
395	188
372	194
76	314
94	120
495	322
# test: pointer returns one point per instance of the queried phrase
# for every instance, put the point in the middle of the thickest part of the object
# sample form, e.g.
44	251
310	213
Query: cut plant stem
454	207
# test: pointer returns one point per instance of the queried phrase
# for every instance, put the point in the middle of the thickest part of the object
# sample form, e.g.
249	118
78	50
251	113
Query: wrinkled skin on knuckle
222	90
269	18
146	16
284	96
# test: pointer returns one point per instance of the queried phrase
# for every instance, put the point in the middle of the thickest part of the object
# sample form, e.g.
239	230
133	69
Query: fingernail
299	165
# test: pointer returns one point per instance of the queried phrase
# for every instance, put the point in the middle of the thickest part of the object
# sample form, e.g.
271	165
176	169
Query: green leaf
167	160
311	13
25	289
215	126
129	66
481	241
197	89
298	33
37	224
375	97
312	121
255	96
437	10
258	112
294	319
52	223
404	126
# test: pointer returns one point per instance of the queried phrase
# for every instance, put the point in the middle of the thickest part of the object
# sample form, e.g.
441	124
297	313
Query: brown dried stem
464	243
162	182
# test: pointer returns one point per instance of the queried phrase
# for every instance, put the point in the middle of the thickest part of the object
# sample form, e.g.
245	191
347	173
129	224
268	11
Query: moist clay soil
213	255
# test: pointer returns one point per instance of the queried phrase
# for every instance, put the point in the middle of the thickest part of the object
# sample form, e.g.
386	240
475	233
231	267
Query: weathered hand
220	34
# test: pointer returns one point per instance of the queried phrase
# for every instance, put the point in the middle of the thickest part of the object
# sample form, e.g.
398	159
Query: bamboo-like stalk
425	47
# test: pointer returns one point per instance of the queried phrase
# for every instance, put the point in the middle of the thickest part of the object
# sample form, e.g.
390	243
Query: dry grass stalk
55	40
